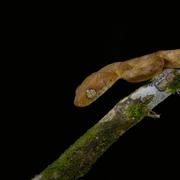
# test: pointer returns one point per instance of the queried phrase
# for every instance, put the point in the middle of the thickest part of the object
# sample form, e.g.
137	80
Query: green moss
136	111
68	165
175	85
77	160
79	157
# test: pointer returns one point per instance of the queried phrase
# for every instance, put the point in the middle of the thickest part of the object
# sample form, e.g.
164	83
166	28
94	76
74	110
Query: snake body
135	70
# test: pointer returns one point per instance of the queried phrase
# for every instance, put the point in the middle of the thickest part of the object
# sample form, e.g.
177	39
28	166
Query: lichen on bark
77	160
137	111
175	85
79	157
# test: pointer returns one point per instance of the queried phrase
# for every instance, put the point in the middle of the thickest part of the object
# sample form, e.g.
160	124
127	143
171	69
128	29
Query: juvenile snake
135	70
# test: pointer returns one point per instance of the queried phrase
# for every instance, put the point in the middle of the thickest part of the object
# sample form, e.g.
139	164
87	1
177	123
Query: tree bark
77	160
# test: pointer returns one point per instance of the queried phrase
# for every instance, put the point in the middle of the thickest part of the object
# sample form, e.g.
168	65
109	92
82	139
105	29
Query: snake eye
91	93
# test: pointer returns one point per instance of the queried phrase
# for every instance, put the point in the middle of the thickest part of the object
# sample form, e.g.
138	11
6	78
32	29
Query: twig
77	160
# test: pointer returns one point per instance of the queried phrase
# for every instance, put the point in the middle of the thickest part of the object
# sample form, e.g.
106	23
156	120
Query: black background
53	59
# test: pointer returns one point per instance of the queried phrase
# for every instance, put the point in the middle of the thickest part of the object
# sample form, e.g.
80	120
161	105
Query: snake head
93	87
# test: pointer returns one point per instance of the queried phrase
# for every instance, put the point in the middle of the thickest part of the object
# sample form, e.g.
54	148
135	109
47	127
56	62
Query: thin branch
77	160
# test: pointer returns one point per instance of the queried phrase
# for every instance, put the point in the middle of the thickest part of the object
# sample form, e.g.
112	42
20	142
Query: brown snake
134	70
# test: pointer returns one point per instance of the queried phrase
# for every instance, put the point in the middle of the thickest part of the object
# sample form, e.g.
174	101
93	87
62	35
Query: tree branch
77	160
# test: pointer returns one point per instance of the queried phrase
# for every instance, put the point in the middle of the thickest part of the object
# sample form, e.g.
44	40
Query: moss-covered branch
77	160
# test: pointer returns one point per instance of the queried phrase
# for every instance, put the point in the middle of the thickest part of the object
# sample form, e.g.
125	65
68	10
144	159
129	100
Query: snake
135	70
